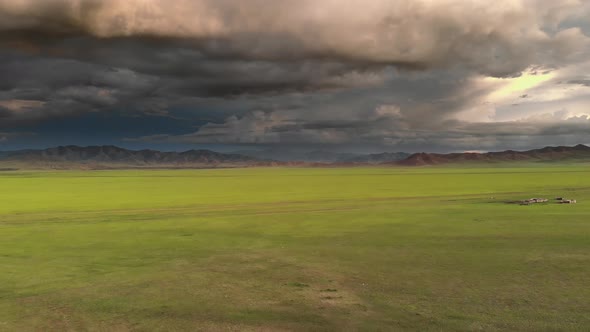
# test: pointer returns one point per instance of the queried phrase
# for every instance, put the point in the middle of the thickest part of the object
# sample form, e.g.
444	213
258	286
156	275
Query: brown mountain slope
561	153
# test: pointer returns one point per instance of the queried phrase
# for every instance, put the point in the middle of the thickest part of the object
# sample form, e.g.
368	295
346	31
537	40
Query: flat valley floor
287	249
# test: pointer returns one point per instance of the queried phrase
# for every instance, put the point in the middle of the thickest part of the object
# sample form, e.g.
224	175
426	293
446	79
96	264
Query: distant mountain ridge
298	155
378	158
560	153
322	156
109	154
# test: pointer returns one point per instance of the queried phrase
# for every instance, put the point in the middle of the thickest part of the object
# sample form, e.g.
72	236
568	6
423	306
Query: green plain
295	249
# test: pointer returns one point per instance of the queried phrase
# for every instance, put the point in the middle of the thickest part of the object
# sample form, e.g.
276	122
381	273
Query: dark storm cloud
6	137
57	87
498	40
4	112
217	48
394	116
387	128
377	71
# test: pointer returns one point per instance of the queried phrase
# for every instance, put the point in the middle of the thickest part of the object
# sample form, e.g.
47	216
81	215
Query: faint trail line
247	209
196	214
226	207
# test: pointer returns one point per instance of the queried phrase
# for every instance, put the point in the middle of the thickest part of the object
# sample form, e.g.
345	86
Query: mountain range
547	154
115	157
288	154
378	158
112	156
322	156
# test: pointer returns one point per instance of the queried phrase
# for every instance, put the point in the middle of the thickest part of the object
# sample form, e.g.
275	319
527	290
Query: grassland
295	249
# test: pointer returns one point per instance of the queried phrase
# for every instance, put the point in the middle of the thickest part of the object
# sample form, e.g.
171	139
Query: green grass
295	249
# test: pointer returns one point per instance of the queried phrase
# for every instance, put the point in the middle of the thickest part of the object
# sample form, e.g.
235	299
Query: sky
345	75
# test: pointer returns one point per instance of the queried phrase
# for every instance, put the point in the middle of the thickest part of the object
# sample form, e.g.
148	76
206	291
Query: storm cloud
499	40
415	74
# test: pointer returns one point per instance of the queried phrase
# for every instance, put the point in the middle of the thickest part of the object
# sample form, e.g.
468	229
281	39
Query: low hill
297	155
560	153
378	158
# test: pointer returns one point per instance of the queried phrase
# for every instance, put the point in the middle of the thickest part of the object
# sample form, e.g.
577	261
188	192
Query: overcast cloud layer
441	75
